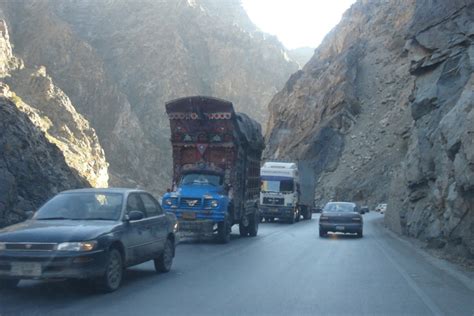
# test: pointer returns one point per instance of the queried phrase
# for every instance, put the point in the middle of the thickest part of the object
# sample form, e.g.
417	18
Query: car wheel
360	234
322	233
112	277
6	284
253	226
165	261
223	230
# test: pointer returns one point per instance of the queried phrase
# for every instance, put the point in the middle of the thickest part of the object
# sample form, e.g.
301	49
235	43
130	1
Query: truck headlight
77	246
214	203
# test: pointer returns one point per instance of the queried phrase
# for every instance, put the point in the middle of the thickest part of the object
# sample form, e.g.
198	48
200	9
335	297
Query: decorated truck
216	168
287	191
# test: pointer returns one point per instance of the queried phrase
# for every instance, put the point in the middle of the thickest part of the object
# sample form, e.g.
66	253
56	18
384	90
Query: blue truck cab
216	168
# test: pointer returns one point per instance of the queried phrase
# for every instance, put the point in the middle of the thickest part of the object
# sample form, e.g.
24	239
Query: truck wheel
322	233
223	230
292	219
244	230
307	214
298	215
253	225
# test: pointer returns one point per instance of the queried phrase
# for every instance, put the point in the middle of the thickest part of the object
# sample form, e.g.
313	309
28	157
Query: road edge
456	271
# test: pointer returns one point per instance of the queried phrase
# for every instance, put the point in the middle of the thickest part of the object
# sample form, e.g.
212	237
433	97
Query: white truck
287	191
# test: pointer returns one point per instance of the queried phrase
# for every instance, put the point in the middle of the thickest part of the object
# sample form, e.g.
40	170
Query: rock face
45	145
301	55
383	111
120	61
436	200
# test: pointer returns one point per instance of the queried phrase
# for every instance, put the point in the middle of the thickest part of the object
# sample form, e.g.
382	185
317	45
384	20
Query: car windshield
82	206
201	179
339	207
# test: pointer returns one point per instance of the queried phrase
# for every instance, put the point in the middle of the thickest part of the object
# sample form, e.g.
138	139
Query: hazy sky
296	23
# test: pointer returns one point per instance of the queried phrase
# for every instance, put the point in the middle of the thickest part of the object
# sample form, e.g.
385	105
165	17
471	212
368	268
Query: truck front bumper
196	227
276	211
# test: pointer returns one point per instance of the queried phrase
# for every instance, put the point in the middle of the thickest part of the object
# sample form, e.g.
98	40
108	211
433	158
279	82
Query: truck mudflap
191	228
273	211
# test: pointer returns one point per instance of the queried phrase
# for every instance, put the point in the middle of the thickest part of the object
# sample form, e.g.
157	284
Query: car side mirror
29	214
134	216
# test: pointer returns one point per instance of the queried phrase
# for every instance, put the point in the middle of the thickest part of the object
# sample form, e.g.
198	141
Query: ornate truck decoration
216	167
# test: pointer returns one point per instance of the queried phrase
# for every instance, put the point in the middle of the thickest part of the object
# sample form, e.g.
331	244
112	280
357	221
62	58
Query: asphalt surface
285	270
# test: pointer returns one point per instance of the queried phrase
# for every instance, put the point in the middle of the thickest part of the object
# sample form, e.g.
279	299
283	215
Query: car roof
104	190
336	202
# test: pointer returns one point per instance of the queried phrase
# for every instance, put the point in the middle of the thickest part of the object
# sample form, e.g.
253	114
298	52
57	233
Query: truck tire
307	214
253	225
243	230
292	219
322	233
223	230
298	215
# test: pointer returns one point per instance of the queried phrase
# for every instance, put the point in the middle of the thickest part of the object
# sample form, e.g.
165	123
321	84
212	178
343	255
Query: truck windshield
201	179
283	186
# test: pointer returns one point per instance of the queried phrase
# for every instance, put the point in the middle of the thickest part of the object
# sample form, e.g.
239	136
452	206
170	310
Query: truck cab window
201	179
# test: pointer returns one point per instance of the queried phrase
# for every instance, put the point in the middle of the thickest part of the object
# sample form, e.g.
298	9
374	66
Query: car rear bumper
52	265
276	211
341	227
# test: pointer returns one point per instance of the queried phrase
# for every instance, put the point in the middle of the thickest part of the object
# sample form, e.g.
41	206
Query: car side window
134	203
151	206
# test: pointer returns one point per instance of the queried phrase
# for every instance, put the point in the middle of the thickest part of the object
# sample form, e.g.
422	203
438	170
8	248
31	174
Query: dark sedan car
89	234
341	217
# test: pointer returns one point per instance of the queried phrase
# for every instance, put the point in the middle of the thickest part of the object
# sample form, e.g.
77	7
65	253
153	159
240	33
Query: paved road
286	270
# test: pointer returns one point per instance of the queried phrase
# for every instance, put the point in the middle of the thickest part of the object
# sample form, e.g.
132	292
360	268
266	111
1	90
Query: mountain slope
120	61
383	112
45	145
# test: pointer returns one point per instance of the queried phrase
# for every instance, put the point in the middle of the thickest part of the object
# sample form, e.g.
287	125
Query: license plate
32	269
189	215
340	228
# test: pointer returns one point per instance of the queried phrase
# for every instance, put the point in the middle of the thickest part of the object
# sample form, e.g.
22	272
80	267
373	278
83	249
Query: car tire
322	233
360	234
113	275
253	226
223	230
8	284
164	262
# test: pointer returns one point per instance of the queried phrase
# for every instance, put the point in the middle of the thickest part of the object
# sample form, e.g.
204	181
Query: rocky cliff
120	61
383	112
45	145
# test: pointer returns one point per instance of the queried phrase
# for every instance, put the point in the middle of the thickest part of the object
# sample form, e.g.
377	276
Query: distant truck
287	191
216	167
